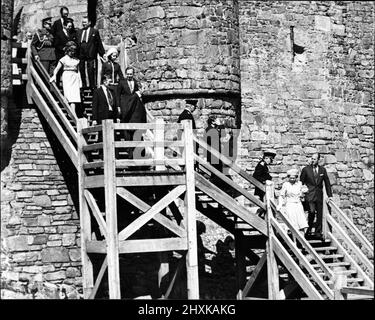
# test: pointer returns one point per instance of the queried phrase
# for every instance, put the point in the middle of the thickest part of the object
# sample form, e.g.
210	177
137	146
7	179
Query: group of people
296	195
70	55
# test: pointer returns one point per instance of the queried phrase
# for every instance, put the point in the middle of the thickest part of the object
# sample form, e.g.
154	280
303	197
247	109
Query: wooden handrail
351	226
58	110
304	242
54	89
349	242
230	182
54	125
310	269
231	164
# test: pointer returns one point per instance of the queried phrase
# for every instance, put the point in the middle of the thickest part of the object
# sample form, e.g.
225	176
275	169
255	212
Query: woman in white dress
71	78
290	201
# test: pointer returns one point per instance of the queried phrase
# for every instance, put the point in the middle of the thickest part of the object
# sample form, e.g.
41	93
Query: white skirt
71	85
296	215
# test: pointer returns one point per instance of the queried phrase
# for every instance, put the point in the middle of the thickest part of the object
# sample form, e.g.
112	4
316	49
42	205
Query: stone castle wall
319	99
40	236
323	100
185	50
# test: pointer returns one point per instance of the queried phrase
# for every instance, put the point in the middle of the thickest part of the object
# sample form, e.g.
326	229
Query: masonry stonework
320	99
40	251
296	77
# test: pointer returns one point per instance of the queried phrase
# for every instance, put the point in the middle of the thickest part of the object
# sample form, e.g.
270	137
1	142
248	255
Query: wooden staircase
291	261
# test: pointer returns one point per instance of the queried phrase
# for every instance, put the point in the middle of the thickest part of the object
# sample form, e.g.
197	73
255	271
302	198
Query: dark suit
132	108
100	106
42	46
114	69
186	115
261	173
314	196
87	53
57	27
61	38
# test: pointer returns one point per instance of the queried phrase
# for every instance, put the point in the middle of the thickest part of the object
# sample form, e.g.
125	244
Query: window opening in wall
91	11
295	48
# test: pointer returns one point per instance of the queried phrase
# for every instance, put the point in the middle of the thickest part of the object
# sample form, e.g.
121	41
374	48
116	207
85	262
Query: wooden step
334	264
346	272
349	281
331	256
329	248
319	242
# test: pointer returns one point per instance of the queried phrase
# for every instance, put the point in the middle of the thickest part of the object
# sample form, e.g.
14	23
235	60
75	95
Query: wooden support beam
163	271
85	220
123	164
339	281
272	269
99	278
156	208
254	275
144	207
111	210
295	270
190	214
231	204
144	180
240	266
96	212
139	246
159	136
177	271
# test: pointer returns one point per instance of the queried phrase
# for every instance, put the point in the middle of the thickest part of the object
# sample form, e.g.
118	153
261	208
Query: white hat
111	51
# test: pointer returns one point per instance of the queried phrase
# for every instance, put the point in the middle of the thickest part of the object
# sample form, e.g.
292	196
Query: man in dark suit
187	114
42	46
313	177
90	45
104	105
129	96
58	25
261	172
62	36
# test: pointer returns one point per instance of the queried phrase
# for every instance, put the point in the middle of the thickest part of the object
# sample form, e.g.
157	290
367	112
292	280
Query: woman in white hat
290	201
111	67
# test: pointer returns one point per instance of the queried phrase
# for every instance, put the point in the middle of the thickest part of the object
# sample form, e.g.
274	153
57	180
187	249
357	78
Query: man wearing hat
261	172
42	46
313	177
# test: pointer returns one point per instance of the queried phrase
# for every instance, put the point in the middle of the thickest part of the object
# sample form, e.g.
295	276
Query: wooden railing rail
54	89
306	245
351	245
352	227
230	163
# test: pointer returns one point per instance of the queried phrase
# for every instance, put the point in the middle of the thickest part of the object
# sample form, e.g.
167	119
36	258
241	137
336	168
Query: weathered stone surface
17	243
55	255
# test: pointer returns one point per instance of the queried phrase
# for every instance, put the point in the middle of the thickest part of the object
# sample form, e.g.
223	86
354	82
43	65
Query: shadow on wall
66	166
15	103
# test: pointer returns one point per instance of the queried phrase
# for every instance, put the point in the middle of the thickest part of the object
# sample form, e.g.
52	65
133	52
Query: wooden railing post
272	269
84	215
325	212
190	214
111	209
339	281
159	137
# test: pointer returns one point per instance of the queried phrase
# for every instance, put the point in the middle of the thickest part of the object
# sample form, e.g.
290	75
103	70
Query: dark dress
261	173
114	69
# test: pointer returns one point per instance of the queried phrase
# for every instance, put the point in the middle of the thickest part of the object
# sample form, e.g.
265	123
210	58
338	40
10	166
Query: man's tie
83	39
131	86
110	99
316	175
